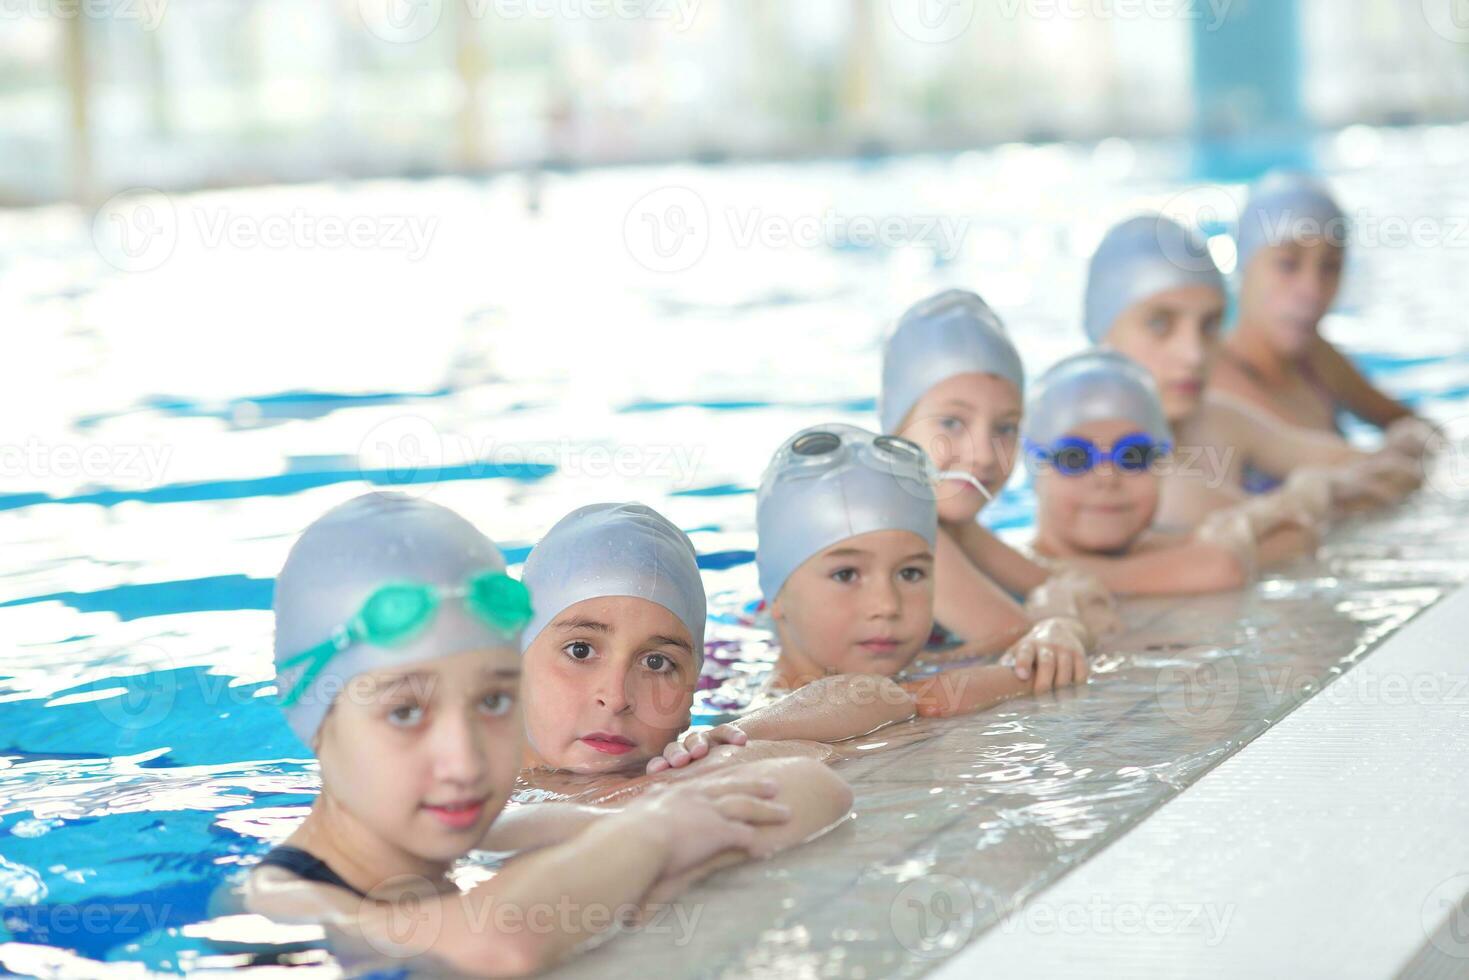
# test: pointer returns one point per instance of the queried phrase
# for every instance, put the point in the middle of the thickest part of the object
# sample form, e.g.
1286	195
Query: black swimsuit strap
303	864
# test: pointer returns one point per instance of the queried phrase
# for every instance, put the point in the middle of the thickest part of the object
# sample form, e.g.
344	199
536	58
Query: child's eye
1007	430
1158	323
579	650
1212	325
845	575
1287	263
913	574
405	715
950	424
659	663
498	703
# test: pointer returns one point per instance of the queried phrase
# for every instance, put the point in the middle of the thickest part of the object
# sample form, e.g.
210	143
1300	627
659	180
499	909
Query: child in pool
397	650
612	660
1154	294
1095	432
848	526
953	383
1292	243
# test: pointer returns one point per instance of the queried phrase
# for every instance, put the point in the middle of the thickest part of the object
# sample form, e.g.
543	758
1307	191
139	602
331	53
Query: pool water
173	422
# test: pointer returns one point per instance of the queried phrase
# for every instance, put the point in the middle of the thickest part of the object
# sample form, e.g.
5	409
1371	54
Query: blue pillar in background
1249	115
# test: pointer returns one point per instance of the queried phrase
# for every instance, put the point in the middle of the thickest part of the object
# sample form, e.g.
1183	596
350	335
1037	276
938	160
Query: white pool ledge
1334	845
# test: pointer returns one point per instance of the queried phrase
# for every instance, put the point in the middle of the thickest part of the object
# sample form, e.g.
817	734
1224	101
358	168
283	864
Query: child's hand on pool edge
1053	653
698	820
696	746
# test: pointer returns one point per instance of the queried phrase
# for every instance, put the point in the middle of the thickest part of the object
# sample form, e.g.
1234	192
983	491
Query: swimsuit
305	865
1255	480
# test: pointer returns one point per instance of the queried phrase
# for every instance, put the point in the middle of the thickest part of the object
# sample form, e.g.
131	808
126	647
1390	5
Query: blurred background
97	95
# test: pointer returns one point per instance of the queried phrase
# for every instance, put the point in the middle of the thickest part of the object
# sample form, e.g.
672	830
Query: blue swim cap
954	332
1140	258
615	550
832	482
1094	386
1285	207
345	556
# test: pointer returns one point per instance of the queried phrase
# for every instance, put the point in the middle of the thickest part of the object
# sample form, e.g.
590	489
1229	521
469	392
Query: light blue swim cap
1094	386
954	332
615	550
1140	258
832	482
347	554
1285	207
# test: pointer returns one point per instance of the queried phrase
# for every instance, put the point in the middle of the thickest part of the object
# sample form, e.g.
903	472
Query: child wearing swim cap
1096	438
398	663
953	383
612	660
848	523
1292	239
1154	294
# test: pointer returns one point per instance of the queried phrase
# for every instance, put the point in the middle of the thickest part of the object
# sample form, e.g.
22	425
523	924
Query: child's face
862	606
608	683
969	422
1288	288
425	755
1175	335
1102	511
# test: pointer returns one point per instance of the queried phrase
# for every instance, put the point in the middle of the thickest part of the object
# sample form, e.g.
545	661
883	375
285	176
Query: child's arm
509	925
1052	654
830	709
970	605
1012	571
531	826
1277	447
1350	387
1186	568
817	797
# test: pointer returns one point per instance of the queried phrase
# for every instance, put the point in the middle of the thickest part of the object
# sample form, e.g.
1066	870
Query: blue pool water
171	428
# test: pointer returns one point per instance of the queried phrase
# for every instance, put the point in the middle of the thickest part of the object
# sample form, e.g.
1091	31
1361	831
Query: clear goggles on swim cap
1073	455
398	611
821	445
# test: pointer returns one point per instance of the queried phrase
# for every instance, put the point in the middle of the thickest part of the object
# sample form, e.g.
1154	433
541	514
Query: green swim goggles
399	611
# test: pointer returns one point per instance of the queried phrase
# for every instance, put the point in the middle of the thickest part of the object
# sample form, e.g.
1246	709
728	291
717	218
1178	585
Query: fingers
1065	667
753	811
1045	668
658	764
736	786
1025	656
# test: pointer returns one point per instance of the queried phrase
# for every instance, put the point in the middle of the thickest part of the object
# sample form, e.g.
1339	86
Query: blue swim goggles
1073	455
398	611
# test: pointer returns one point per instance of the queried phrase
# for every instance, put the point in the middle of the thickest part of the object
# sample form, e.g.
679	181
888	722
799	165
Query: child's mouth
609	744
459	815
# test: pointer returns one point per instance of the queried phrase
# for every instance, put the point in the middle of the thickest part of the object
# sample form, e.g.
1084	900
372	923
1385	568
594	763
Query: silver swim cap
1140	258
615	550
832	482
1285	207
952	333
1093	386
346	556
